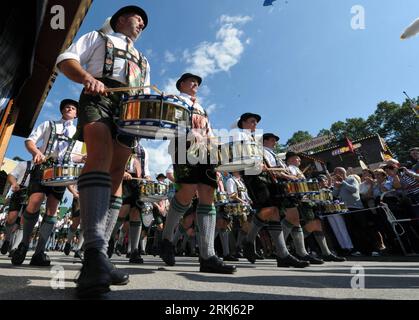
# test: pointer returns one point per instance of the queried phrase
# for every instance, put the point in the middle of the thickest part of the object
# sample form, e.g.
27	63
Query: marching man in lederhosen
201	178
262	190
19	182
99	60
56	145
137	167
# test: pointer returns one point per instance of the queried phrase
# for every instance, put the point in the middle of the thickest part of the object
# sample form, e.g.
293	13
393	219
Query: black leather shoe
230	258
259	256
118	250
19	254
95	276
238	255
78	254
128	255
67	248
118	277
249	251
136	257
111	246
310	259
331	257
167	252
291	261
216	265
41	260
5	247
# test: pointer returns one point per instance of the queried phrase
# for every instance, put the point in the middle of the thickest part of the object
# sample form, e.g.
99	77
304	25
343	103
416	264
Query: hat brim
247	116
271	135
129	9
187	76
64	102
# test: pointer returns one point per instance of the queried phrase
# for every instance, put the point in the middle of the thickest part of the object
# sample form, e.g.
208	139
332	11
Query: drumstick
136	178
276	169
133	88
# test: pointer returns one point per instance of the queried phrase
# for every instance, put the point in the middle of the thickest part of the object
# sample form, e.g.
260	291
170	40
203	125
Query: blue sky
298	63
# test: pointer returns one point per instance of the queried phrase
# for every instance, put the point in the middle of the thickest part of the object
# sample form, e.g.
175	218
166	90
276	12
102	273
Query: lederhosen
35	185
194	173
18	199
99	108
130	188
306	209
264	191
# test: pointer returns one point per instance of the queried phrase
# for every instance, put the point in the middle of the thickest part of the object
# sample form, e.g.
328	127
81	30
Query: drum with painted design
153	116
60	175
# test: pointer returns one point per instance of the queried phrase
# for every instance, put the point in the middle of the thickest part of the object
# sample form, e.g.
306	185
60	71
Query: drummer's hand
39	158
127	176
15	187
93	86
160	227
75	195
264	167
148	178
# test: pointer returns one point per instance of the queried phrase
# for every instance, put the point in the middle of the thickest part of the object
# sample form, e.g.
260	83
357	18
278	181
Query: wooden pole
6	129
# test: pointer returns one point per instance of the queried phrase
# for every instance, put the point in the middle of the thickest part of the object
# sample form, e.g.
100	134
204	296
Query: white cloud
75	90
149	53
213	57
159	158
162	71
170	86
211	108
169	57
48	104
204	90
235	19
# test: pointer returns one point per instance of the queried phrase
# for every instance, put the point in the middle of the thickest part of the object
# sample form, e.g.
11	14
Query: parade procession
224	193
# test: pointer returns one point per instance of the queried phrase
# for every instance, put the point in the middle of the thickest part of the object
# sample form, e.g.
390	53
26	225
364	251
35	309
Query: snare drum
60	175
221	198
237	209
238	156
153	116
147	216
300	187
150	191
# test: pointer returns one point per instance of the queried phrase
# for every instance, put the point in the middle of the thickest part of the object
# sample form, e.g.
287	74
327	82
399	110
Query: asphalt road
384	278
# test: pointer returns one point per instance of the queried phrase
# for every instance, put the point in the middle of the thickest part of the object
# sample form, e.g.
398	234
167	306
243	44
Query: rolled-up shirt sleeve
81	50
42	132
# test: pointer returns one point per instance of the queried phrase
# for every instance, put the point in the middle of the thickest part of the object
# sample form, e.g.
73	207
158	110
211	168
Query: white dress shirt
89	51
19	171
187	99
272	158
43	132
138	155
231	187
295	171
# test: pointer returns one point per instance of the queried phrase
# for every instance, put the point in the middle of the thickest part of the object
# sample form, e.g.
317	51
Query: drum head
59	182
153	116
